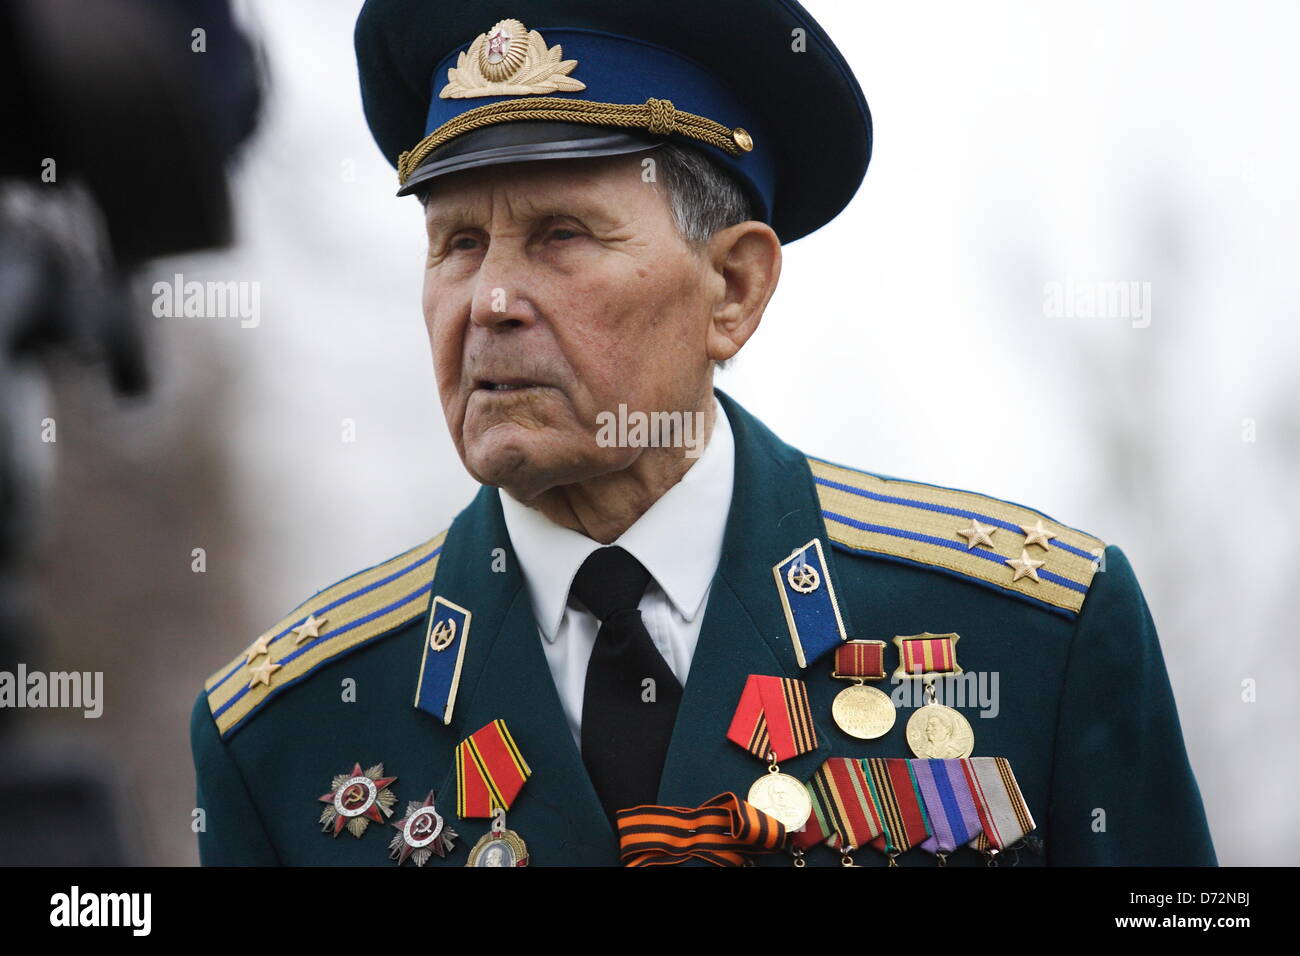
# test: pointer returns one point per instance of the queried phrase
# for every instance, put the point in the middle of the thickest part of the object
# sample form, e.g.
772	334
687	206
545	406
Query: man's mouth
507	385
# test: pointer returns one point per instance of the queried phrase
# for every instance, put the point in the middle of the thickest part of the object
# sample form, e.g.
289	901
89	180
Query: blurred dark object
114	96
113	91
120	120
75	817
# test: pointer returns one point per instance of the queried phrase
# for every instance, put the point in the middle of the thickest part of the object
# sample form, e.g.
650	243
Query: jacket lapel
505	675
774	510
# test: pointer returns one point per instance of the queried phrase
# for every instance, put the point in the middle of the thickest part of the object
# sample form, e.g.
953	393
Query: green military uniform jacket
1085	711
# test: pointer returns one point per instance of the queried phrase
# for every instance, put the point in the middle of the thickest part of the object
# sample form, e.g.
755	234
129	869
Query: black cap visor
526	141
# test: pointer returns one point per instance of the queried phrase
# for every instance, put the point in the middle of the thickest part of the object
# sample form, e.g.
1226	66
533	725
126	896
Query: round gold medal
783	798
499	848
936	732
863	712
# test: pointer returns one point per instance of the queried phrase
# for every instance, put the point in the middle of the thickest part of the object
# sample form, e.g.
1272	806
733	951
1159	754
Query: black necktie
627	722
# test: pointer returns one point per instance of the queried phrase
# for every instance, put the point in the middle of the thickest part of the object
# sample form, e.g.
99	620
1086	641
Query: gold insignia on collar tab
442	634
510	60
803	578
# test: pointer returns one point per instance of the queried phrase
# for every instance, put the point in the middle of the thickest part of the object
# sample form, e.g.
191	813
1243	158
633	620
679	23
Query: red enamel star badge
421	833
357	798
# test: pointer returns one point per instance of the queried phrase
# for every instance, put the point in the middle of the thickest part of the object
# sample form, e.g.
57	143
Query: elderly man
653	635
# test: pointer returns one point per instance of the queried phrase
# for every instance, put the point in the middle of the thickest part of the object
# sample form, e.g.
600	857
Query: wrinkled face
554	291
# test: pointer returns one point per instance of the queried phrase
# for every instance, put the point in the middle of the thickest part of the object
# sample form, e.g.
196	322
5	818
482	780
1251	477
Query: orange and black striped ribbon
901	807
773	717
490	771
721	831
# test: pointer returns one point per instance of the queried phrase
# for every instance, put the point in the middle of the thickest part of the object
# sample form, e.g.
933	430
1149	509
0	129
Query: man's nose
500	300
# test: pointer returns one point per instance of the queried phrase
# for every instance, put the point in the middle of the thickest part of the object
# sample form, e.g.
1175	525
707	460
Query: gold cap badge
510	60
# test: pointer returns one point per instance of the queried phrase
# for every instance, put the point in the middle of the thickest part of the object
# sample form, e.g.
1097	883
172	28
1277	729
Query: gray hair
703	197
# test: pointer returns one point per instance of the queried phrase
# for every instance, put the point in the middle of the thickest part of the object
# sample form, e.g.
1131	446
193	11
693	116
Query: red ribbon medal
490	772
773	721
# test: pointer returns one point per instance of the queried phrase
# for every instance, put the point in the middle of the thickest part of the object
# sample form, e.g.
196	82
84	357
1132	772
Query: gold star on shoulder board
261	674
977	534
1037	534
259	647
309	628
1025	566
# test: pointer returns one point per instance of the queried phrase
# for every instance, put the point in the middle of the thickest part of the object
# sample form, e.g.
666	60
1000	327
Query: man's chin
518	463
528	463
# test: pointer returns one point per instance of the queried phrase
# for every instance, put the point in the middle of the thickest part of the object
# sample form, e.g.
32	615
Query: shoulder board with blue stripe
342	618
1009	547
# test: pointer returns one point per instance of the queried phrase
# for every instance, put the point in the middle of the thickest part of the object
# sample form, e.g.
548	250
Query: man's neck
604	507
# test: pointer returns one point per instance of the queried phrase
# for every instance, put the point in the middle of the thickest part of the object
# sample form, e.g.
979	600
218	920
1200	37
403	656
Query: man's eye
464	243
562	233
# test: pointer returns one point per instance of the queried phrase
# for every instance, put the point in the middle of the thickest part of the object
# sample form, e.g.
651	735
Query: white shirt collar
678	540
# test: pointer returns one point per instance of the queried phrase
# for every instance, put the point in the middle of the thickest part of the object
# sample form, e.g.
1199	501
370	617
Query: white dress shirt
678	540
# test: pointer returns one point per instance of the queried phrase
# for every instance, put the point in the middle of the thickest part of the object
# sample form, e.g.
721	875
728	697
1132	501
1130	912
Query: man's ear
747	258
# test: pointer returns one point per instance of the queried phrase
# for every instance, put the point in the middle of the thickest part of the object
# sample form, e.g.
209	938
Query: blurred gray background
1017	145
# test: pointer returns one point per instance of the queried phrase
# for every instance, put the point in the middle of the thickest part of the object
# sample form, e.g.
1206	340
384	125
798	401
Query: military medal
421	833
1003	813
902	812
490	772
927	656
499	846
812	612
781	797
861	711
357	798
934	731
845	812
773	721
954	819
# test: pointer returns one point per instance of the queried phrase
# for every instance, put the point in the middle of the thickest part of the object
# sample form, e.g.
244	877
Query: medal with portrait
934	731
500	846
773	721
490	772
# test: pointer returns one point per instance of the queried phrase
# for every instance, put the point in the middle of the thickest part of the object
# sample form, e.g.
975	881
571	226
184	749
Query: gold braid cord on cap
659	117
